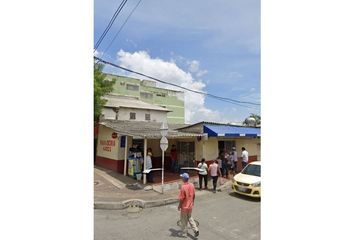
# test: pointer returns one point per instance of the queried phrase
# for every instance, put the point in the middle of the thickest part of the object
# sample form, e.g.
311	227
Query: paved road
223	215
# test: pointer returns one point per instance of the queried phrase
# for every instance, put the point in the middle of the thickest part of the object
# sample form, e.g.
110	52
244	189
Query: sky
204	45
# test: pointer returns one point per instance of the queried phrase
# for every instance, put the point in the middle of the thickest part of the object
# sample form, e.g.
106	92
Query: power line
121	27
116	13
229	100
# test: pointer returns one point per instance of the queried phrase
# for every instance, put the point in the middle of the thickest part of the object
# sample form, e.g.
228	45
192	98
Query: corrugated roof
150	130
115	101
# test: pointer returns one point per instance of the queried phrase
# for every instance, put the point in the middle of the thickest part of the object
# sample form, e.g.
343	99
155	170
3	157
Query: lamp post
163	146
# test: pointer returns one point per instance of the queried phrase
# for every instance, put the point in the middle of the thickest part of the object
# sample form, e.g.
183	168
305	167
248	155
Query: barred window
161	94
132	115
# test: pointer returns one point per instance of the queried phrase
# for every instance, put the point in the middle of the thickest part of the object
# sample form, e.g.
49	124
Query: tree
102	87
250	122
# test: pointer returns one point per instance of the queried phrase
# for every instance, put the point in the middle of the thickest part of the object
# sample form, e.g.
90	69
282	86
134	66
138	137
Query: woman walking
214	171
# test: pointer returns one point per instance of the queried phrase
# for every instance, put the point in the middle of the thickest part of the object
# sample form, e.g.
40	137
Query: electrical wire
115	36
236	102
116	13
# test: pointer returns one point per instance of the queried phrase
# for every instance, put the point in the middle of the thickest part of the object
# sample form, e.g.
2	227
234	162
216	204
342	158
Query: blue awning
230	131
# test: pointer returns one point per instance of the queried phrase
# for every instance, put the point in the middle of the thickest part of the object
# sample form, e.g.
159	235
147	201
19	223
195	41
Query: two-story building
147	91
129	108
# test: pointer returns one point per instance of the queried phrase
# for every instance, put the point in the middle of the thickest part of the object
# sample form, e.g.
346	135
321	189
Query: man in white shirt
244	157
203	174
149	176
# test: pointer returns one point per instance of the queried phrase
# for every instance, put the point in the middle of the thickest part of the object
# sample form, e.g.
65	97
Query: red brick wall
117	166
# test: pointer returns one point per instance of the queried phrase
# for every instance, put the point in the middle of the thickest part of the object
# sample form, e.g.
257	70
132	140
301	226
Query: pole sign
163	143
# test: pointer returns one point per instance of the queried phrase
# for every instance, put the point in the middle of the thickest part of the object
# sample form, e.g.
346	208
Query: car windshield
252	169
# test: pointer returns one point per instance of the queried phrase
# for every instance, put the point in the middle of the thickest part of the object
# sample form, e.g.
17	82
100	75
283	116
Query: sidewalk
113	190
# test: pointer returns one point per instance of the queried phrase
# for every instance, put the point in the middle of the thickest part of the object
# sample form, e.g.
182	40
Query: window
161	94
145	95
132	87
147	116
132	115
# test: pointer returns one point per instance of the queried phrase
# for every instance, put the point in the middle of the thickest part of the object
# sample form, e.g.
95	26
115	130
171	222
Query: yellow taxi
248	181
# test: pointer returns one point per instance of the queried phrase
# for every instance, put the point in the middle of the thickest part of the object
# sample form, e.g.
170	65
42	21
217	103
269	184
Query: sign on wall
108	143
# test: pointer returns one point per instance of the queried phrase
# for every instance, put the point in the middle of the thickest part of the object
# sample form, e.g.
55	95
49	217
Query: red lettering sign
108	142
108	149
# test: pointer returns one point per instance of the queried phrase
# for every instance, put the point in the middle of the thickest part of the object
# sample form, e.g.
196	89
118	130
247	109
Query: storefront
122	146
218	137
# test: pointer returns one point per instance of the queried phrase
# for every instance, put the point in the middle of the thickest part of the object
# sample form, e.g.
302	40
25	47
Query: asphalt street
223	215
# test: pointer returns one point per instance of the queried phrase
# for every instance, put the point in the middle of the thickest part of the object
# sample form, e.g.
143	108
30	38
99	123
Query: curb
133	203
145	204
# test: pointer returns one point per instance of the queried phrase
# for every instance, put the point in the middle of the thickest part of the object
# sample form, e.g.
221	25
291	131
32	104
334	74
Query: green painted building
146	91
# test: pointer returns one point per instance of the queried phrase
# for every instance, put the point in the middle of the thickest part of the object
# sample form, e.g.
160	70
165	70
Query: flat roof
116	101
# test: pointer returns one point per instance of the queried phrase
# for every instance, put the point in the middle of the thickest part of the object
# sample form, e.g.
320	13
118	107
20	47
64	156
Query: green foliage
101	88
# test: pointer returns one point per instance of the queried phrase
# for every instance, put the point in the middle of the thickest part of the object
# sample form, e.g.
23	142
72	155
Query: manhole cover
134	186
134	209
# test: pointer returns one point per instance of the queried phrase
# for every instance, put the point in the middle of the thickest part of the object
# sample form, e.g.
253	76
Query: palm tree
252	120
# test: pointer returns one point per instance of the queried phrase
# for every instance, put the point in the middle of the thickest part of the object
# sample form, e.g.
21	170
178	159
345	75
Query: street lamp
163	146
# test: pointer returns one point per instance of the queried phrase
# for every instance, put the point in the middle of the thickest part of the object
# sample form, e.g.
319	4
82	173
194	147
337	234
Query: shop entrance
185	154
225	146
136	158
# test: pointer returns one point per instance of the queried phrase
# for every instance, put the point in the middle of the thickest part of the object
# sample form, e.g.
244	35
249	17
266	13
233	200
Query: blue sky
211	46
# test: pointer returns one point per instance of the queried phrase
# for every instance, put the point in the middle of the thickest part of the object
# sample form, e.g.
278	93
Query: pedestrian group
219	167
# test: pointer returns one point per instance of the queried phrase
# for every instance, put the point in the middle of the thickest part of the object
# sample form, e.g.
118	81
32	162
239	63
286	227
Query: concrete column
125	155
145	153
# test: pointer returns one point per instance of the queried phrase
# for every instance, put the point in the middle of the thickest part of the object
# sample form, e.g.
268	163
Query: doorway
225	146
185	154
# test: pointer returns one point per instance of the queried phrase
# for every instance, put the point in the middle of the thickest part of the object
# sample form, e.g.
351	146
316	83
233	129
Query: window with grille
132	116
147	116
161	94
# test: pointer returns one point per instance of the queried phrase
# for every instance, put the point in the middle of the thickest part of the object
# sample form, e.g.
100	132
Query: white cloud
98	54
195	109
194	67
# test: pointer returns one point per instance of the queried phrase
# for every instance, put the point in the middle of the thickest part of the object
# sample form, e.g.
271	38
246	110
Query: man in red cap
186	201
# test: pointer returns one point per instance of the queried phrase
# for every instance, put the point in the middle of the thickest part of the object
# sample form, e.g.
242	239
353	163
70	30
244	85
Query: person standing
203	174
244	157
186	202
233	158
225	168
149	165
214	171
173	155
219	162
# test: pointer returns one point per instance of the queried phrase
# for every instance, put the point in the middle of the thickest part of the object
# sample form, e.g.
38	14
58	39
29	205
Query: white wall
106	145
109	113
155	116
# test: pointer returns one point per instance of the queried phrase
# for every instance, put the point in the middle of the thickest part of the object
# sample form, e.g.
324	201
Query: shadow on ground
240	196
178	234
